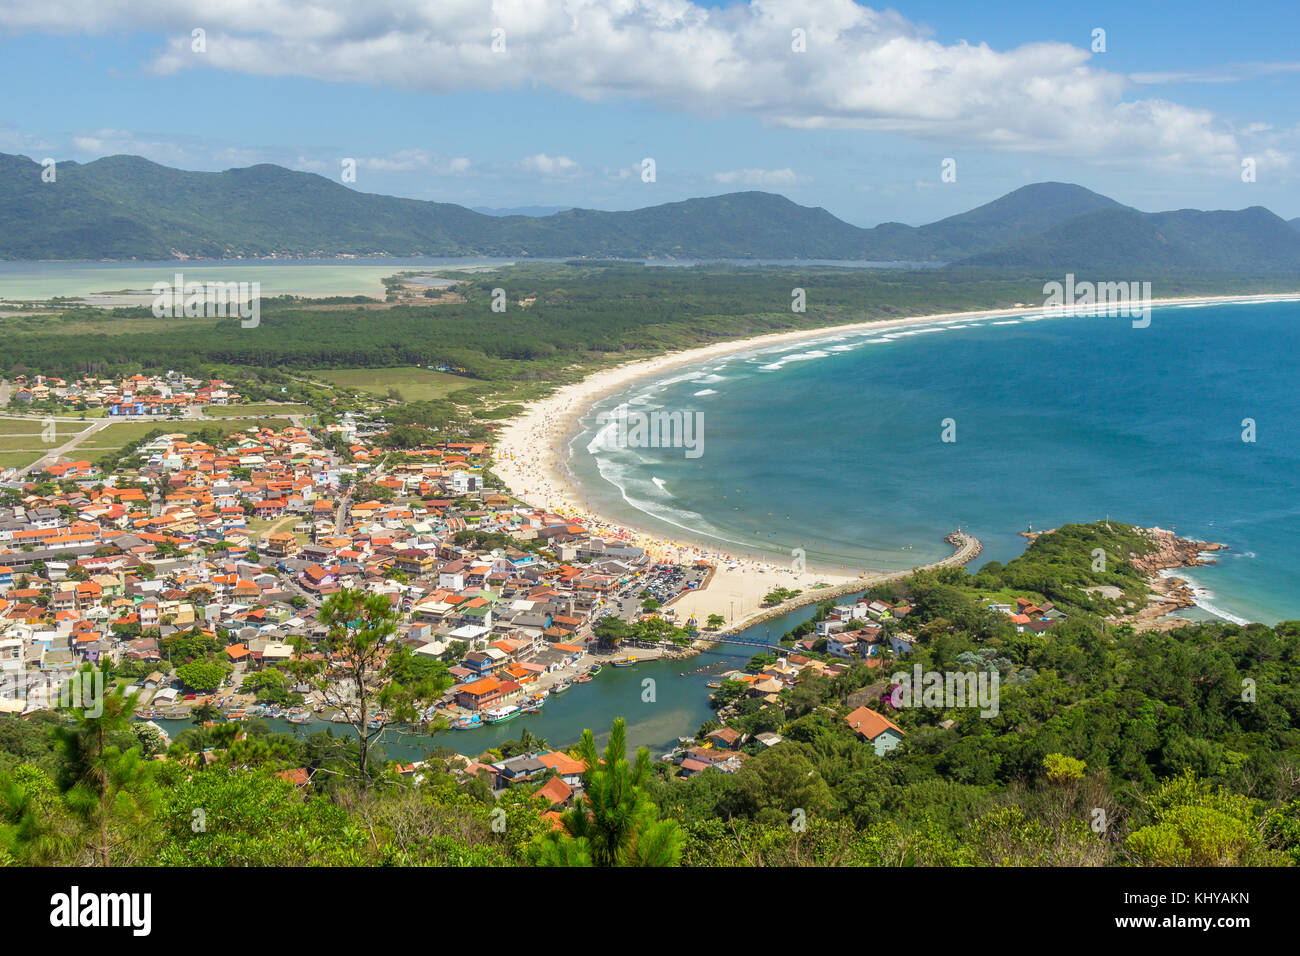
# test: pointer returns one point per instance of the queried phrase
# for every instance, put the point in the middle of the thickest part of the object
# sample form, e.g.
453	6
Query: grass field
18	459
118	435
121	433
253	409
415	384
29	437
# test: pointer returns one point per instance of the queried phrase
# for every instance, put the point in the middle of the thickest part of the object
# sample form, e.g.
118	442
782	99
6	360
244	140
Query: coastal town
240	542
195	573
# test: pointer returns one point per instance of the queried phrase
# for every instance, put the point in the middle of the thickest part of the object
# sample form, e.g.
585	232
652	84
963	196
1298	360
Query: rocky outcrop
1168	594
1171	551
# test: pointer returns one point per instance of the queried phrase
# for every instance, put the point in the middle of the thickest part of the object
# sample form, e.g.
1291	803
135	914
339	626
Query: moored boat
467	723
595	669
561	687
625	662
499	715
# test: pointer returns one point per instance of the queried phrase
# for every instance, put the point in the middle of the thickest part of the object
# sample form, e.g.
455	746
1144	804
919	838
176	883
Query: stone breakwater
967	548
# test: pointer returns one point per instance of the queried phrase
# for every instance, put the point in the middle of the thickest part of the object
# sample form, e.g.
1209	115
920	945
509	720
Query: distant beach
532	452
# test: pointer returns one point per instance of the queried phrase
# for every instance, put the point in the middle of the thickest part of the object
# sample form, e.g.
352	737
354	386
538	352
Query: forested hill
123	207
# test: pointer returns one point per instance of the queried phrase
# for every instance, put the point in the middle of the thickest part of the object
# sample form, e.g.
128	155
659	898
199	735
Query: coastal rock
1168	594
1172	551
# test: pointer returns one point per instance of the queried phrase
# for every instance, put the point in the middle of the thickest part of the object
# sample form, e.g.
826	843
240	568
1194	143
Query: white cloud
551	167
1226	73
410	160
862	68
758	177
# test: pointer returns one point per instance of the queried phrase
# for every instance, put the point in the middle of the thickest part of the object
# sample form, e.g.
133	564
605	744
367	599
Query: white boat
499	715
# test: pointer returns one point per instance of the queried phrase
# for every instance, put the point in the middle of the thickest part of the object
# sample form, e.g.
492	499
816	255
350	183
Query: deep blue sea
835	445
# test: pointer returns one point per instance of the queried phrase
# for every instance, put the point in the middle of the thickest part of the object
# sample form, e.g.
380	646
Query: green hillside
123	207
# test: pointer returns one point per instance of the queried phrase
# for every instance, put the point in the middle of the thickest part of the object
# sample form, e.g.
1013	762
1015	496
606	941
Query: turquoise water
834	445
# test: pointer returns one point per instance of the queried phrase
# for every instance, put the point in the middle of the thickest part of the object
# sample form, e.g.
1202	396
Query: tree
107	789
1059	769
202	675
613	823
715	621
353	679
611	631
1194	825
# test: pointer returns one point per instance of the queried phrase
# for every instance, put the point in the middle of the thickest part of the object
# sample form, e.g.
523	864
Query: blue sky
858	122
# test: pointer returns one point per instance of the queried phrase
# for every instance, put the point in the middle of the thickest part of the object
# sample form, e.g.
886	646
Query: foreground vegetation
1109	746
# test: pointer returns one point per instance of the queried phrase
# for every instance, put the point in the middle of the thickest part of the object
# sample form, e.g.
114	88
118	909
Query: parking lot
663	583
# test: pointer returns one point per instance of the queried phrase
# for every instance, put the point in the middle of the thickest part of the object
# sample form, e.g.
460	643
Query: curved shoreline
530	455
966	548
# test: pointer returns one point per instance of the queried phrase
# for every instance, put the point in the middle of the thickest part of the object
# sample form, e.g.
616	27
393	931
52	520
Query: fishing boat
499	715
584	679
625	662
467	723
532	707
561	687
714	684
595	669
300	718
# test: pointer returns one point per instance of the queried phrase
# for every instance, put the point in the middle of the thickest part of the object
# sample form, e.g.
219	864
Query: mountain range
124	207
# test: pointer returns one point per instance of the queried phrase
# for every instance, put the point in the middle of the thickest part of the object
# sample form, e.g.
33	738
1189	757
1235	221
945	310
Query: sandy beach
531	458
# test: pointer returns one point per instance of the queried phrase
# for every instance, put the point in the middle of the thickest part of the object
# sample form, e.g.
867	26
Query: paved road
97	426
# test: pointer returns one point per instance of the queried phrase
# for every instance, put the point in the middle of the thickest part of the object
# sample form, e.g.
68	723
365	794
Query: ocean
836	446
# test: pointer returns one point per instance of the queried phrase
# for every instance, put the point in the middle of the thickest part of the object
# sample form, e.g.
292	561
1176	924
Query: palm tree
613	823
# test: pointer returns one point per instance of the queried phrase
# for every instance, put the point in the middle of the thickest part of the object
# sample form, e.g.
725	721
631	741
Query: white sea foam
706	391
1203	597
